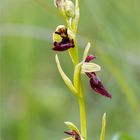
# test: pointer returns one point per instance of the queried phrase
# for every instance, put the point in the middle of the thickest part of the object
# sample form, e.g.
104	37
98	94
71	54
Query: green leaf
102	136
64	77
122	136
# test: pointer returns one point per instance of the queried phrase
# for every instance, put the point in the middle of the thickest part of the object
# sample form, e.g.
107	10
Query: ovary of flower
90	67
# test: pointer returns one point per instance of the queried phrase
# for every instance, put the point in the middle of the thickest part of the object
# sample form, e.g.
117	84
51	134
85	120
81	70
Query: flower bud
69	8
58	3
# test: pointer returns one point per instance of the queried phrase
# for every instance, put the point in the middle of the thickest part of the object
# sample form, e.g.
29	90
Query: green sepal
64	77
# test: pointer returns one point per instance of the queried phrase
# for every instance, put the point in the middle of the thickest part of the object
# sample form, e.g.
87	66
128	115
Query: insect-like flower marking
95	82
62	40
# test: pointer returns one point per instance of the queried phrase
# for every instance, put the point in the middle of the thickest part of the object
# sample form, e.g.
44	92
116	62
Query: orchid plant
64	39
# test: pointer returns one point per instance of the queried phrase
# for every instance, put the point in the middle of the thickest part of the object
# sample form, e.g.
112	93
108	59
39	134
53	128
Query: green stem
74	56
82	112
74	53
81	98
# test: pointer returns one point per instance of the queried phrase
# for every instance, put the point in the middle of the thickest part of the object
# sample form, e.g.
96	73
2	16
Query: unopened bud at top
60	5
66	7
69	8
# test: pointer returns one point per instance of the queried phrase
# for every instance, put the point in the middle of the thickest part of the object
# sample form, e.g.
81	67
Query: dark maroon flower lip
73	134
97	86
95	81
62	46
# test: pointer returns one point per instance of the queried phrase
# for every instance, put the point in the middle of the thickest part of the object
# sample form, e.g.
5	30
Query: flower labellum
62	40
95	82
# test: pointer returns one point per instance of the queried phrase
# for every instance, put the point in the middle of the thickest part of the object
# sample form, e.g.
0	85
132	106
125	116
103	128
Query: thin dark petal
73	134
90	58
97	85
68	133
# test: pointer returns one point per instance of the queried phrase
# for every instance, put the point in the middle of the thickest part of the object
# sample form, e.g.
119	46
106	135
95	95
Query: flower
74	133
95	82
62	40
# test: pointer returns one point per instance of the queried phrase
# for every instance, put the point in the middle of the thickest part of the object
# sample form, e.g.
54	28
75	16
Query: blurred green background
34	101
